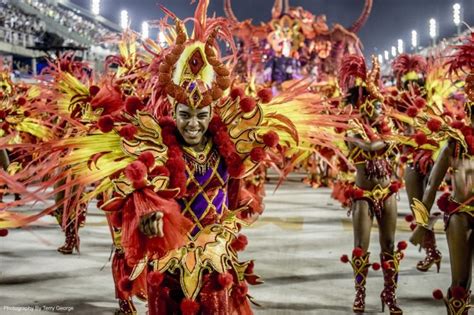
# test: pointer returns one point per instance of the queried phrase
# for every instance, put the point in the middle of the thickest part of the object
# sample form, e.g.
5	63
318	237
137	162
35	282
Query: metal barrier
16	38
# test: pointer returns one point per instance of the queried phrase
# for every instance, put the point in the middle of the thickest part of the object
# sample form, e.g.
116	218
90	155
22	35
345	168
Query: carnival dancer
373	194
458	206
410	72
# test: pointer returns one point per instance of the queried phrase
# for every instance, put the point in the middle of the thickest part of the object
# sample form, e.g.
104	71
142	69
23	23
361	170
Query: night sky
389	20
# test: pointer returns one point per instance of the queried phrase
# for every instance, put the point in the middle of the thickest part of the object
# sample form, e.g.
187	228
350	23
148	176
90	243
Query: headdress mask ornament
192	73
408	68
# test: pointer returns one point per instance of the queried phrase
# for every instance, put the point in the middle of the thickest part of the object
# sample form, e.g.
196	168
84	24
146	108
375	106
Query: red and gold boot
360	265
71	231
71	241
126	307
433	255
457	302
390	267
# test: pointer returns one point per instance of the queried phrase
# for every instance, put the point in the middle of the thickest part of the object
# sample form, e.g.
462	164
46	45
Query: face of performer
192	123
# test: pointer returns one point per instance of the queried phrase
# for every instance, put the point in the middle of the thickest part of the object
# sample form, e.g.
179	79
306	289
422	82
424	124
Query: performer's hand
152	224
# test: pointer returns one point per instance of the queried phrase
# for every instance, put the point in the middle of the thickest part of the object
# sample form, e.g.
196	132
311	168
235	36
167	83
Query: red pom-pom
154	278
434	125
375	266
271	139
21	101
420	138
420	102
257	154
457	124
125	285
443	202
136	171
237	92
128	131
132	104
247	104
458	292
147	158
339	129
3	232
386	265
413	226
189	307
239	243
265	95
344	259
409	218
438	294
395	187
225	280
402	245
106	123
412	111
403	159
358	252
93	90
357	193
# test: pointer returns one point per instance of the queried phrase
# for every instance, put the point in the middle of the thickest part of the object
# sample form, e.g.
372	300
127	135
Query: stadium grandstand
32	30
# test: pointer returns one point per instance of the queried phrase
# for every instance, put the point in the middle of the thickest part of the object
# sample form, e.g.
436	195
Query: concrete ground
297	244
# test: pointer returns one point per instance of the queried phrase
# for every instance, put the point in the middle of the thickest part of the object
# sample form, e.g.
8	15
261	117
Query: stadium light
380	57
95	7
414	39
385	55
457	16
124	19
145	30
400	47
433	30
394	51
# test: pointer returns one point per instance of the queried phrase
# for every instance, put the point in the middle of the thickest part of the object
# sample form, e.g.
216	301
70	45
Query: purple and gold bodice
206	187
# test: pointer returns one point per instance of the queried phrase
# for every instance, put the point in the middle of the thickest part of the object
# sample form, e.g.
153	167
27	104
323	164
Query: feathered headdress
353	73
462	61
409	67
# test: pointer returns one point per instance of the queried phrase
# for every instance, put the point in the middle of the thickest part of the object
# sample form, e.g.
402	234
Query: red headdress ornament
409	67
462	62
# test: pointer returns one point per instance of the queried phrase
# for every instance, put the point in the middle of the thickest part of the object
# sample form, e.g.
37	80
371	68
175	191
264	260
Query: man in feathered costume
171	185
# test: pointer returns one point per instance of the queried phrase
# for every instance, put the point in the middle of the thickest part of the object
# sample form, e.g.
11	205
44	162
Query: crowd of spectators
17	27
74	22
14	19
